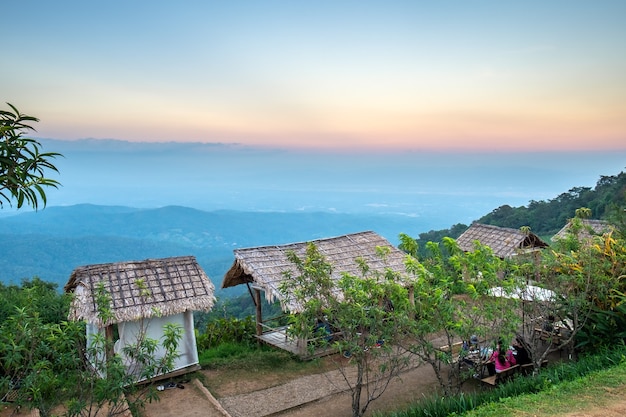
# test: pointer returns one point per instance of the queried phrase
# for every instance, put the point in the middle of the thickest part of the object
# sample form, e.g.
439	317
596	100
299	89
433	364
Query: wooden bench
453	350
527	369
501	377
456	348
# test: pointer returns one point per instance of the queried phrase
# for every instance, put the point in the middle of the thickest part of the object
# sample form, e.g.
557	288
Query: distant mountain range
51	243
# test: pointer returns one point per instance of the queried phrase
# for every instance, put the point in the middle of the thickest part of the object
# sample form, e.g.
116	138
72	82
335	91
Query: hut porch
270	332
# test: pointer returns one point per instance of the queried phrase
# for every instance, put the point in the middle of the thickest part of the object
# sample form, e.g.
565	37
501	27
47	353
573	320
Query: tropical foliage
22	165
46	360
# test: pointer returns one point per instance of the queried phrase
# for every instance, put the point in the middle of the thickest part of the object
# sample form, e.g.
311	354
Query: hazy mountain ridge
52	242
442	187
230	196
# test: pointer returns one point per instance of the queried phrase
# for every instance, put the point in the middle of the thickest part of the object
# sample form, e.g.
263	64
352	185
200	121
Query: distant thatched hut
144	297
503	241
588	229
263	269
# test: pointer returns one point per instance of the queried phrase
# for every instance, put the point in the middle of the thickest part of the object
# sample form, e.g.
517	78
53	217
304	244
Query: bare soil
318	393
275	394
249	393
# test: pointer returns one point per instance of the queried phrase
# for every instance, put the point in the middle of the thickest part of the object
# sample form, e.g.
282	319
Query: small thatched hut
590	228
263	269
144	296
503	241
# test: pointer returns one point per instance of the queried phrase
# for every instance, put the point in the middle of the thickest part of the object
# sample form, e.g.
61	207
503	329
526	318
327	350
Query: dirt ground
243	394
259	395
304	396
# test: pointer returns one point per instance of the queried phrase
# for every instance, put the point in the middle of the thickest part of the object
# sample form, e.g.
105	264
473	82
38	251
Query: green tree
452	302
22	165
586	280
371	312
45	361
40	296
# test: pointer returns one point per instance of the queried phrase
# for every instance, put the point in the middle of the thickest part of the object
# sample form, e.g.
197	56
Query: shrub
227	330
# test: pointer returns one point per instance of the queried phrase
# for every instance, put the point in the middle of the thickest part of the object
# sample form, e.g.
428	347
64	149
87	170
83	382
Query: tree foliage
37	351
547	217
370	313
46	360
22	164
452	303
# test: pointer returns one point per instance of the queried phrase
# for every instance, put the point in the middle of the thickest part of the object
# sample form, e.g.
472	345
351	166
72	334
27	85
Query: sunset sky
382	75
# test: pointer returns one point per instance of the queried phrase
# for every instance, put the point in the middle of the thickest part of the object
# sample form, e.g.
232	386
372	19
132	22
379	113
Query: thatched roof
265	266
503	241
590	228
141	289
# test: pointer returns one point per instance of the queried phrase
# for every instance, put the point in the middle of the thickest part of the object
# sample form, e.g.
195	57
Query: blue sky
337	75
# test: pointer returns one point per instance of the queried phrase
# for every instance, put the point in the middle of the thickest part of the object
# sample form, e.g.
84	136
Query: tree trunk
356	392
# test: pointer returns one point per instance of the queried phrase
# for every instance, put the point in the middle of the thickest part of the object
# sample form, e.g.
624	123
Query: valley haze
124	201
441	187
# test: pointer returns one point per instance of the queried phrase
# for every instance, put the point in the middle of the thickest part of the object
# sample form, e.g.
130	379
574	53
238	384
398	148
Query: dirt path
304	396
249	393
192	402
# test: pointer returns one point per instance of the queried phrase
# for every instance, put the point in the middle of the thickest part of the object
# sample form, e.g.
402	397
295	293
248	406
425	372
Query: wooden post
108	336
259	311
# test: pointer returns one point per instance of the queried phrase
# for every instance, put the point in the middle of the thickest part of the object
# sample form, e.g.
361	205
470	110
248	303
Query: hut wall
130	331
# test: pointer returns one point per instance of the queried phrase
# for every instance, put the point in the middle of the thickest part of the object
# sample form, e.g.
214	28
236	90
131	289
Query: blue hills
50	243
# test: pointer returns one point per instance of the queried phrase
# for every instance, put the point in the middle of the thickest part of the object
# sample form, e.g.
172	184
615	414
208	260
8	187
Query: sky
495	75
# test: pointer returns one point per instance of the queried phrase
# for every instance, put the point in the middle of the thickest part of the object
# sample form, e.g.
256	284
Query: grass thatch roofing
141	289
265	266
503	241
590	227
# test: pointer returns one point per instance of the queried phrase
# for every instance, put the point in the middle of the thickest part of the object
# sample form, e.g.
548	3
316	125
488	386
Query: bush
245	356
227	330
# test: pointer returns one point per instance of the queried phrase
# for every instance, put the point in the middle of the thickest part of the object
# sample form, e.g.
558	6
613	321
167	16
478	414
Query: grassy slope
592	392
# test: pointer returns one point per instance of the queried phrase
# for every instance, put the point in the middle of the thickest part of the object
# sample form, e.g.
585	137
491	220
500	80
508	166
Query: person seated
521	357
323	331
502	358
473	345
469	348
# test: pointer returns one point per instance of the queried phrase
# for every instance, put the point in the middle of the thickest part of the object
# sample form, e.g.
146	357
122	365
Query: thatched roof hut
265	267
141	289
503	241
144	297
590	227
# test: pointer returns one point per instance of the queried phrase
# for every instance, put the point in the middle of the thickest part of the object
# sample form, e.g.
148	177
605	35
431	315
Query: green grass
549	380
590	391
254	358
240	355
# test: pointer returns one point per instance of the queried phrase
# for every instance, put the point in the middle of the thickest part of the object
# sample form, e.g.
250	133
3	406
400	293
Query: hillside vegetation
545	218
